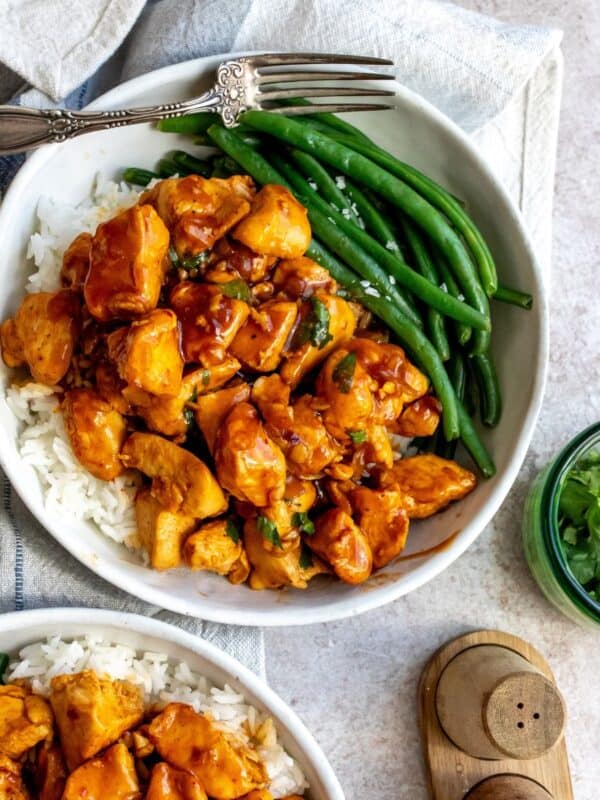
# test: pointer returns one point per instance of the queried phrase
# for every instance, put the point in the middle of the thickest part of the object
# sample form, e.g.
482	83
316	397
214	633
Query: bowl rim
233	670
279	614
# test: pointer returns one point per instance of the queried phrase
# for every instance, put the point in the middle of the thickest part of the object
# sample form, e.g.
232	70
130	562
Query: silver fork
241	85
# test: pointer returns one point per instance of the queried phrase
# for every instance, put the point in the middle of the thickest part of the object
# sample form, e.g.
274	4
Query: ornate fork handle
27	128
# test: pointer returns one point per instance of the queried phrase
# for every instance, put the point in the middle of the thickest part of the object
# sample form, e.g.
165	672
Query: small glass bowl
541	536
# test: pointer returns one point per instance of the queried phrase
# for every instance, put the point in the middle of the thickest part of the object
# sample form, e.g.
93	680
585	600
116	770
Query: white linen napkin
501	83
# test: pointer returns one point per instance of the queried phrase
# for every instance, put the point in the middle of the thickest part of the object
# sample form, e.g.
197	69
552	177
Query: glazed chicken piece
167	415
302	359
146	353
427	483
96	432
398	381
347	391
50	772
231	260
249	464
380	516
76	262
127	265
300	278
209	320
274	568
43	335
25	720
11	783
181	482
92	712
199	211
225	767
216	546
161	532
111	775
277	224
289	514
110	387
297	428
342	544
211	409
168	783
419	418
260	341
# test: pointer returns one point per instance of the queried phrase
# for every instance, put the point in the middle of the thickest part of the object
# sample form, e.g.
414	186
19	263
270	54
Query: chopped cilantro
205	377
343	374
579	522
189	417
189	262
238	289
306	560
358	437
315	327
268	531
231	529
300	519
194	395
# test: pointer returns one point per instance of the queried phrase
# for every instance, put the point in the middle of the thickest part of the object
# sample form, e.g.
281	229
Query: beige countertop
354	682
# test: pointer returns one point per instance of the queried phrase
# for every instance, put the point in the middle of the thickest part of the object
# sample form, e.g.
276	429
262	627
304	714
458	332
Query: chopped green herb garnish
315	327
343	374
3	665
205	377
193	262
300	519
238	289
268	531
358	437
231	529
189	417
194	395
579	522
173	256
306	560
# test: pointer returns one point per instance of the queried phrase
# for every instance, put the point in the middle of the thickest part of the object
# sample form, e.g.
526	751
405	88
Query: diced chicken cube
211	409
342	544
147	355
260	341
168	783
209	320
302	359
110	386
419	418
11	782
380	516
217	547
111	775
249	463
25	720
302	277
96	432
225	767
76	262
233	259
347	391
199	211
181	482
428	483
44	334
91	713
127	265
277	224
161	532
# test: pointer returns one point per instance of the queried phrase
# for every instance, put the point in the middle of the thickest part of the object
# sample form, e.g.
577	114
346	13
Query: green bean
189	164
223	167
167	168
367	172
190	123
138	176
326	185
323	216
463	332
471	400
336	237
473	443
458	376
375	222
424	264
489	389
415	341
437	195
514	297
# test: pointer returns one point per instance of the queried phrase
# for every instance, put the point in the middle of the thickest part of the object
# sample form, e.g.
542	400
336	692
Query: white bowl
421	135
25	627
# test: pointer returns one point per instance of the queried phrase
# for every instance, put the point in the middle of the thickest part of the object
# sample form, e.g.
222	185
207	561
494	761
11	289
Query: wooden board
452	773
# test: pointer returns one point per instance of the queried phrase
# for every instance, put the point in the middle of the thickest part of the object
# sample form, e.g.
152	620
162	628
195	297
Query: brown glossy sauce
429	551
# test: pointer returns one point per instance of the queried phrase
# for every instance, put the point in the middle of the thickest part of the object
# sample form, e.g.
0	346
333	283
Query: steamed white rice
162	681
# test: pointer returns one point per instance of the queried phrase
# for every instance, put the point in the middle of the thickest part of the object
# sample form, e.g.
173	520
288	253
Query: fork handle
27	128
